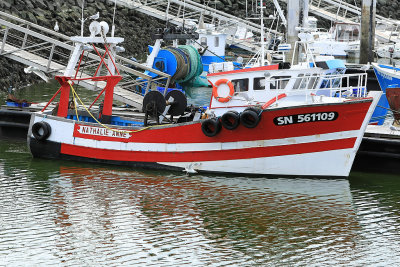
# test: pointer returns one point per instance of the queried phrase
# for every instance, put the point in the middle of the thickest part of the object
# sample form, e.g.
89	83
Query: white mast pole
262	34
113	21
82	20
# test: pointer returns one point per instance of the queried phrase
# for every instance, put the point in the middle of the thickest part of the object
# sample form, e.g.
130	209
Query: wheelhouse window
301	81
278	82
216	42
313	81
259	83
241	85
306	81
203	41
347	32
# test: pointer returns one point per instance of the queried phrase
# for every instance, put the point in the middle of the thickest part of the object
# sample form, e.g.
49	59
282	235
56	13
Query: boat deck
383	131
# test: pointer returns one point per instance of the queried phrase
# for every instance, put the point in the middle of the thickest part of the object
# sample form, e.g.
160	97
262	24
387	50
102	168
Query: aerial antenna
82	20
113	25
184	7
167	13
262	34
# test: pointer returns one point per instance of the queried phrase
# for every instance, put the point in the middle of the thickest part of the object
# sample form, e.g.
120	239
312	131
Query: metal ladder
185	12
49	52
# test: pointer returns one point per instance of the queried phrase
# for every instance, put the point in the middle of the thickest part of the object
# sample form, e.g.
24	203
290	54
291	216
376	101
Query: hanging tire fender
250	117
211	127
41	130
230	120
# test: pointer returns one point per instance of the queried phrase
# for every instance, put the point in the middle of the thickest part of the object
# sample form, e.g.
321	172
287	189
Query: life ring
211	127
215	90
41	130
230	120
250	117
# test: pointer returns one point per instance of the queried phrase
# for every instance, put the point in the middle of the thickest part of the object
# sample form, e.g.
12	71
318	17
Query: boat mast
113	20
262	34
82	19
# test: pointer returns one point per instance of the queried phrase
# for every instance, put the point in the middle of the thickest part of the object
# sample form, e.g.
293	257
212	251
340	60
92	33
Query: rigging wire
105	126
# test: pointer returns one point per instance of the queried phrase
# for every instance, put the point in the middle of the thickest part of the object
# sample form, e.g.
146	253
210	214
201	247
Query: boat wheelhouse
301	121
341	38
258	85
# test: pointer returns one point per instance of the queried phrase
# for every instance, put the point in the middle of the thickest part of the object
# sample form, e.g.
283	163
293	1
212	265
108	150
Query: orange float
215	90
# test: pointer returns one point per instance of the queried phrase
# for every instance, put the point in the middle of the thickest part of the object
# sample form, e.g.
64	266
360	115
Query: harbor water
56	213
60	213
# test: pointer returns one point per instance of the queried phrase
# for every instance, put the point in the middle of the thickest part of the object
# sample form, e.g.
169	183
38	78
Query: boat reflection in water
148	217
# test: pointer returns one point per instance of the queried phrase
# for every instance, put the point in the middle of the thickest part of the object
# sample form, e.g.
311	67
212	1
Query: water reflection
57	213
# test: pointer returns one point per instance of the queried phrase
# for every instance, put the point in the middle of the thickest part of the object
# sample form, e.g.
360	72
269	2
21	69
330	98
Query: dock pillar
368	12
293	15
304	10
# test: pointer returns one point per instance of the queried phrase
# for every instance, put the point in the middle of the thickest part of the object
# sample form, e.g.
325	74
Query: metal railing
49	51
312	86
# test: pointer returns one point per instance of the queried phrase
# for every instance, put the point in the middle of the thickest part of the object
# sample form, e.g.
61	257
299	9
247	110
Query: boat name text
89	130
385	76
308	117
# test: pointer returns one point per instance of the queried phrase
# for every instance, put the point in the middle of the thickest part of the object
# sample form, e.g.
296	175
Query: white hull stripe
313	164
186	147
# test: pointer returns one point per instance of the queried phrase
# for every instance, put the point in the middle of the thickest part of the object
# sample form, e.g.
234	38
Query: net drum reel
156	106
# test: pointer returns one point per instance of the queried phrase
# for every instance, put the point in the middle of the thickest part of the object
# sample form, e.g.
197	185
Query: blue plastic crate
15	104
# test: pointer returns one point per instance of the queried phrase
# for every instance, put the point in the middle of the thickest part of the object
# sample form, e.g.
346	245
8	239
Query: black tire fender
211	127
230	120
250	117
41	130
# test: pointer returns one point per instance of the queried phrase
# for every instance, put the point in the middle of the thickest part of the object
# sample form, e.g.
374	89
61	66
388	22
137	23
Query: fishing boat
266	120
380	148
388	77
341	39
388	50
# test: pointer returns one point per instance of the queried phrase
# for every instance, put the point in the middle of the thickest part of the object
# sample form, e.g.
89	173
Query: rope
182	64
392	110
196	67
105	126
75	107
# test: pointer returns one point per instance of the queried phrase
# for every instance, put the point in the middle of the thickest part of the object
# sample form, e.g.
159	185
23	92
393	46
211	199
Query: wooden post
368	11
293	15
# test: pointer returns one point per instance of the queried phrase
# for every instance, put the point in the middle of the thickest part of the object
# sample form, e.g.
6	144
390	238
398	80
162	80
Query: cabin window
216	42
298	81
347	32
306	81
303	81
203	41
313	82
278	82
259	83
241	85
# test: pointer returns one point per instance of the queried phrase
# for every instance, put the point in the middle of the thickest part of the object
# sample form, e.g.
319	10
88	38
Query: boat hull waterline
300	140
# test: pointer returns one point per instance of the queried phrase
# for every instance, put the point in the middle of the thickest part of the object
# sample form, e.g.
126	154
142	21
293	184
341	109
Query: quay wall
134	26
